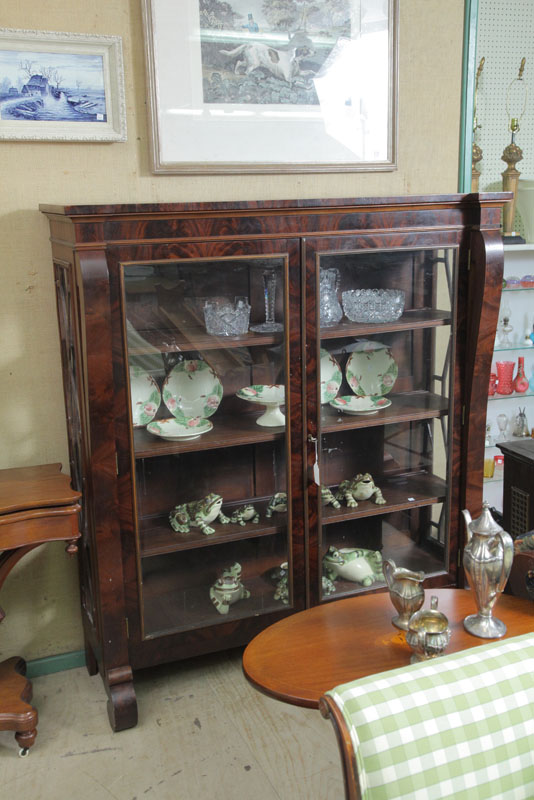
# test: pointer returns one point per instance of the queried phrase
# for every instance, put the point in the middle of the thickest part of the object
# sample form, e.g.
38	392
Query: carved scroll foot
122	702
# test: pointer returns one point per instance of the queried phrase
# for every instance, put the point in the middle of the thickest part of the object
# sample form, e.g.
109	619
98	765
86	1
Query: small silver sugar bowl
428	632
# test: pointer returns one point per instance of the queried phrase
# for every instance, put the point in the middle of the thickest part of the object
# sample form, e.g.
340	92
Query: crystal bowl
373	305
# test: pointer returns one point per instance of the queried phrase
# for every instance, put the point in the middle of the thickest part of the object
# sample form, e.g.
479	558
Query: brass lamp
476	152
511	155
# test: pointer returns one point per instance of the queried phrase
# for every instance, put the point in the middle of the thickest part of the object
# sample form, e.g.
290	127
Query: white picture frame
229	92
58	86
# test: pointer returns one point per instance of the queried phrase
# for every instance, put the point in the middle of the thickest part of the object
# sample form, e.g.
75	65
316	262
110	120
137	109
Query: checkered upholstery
459	726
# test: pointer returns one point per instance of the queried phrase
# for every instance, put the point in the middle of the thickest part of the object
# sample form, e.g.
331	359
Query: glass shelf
513	396
514	347
519	289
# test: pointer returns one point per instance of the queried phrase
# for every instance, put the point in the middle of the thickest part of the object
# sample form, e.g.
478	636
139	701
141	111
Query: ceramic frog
228	589
198	514
279	501
245	514
353	564
362	487
328	497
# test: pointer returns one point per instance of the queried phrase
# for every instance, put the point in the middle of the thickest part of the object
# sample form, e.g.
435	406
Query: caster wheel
24	751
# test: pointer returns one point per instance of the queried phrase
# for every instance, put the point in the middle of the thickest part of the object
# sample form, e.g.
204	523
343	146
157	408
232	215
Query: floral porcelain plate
371	369
331	376
192	389
349	404
173	430
145	396
272	397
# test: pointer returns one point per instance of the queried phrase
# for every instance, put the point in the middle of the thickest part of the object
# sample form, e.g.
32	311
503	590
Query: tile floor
203	734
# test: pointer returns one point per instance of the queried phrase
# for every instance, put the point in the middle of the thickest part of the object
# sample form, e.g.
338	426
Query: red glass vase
505	377
520	380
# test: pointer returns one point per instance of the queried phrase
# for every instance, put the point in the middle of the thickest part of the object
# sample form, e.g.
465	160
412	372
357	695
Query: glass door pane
207	356
386	349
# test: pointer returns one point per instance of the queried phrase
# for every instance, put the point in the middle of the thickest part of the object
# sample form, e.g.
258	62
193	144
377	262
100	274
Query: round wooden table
299	658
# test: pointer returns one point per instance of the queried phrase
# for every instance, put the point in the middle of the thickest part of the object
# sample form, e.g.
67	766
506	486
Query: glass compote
269	293
502	424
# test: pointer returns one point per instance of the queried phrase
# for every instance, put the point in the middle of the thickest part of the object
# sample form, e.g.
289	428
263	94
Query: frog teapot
488	557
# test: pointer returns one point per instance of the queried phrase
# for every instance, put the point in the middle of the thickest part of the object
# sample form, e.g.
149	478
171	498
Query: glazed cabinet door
210	438
381	406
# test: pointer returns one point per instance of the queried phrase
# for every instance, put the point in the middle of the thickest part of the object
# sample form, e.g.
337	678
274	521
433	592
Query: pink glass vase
492	384
520	380
505	377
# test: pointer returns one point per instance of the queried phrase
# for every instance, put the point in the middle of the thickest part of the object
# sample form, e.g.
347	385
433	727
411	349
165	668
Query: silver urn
488	557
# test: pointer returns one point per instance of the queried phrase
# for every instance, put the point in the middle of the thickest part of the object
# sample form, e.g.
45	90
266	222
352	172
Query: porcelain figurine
328	497
245	514
488	557
278	502
353	564
280	577
362	487
198	514
328	586
228	589
428	633
406	592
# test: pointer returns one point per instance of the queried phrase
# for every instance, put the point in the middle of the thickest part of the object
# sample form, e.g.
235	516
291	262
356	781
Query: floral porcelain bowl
271	396
145	396
192	389
371	369
331	376
350	404
173	430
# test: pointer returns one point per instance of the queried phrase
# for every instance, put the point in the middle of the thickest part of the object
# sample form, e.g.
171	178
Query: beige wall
40	595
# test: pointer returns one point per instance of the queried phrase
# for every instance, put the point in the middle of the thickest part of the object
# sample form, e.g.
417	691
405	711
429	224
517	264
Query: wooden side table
37	505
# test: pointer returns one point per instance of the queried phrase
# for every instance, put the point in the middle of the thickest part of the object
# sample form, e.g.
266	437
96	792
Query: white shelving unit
518	261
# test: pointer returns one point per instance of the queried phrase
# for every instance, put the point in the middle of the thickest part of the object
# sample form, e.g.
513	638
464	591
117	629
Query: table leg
16	713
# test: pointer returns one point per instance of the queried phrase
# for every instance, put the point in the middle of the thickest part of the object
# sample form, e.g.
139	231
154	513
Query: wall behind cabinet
40	596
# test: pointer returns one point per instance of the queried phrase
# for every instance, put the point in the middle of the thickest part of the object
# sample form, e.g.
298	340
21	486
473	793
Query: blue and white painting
51	87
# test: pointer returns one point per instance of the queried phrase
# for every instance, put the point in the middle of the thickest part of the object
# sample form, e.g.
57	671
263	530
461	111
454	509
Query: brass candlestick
476	151
511	155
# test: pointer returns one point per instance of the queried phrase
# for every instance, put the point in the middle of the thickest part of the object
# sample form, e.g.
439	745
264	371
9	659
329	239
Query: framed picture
267	86
61	86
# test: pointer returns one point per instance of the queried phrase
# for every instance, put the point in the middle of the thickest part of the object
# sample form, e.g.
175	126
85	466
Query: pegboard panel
505	36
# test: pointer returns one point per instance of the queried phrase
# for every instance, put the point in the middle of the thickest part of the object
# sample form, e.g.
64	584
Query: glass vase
505	377
520	380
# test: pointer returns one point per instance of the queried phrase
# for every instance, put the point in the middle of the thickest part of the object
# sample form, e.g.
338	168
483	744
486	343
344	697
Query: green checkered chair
460	727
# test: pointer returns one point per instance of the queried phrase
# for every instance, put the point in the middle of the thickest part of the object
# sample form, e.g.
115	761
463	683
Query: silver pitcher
488	557
406	591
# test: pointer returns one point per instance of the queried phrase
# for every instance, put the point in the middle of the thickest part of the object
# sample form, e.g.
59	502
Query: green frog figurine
361	487
198	514
278	502
245	514
228	589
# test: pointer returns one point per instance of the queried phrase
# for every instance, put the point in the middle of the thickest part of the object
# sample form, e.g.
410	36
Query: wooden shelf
193	339
236	430
157	537
228	431
410	320
187	609
408	407
407	491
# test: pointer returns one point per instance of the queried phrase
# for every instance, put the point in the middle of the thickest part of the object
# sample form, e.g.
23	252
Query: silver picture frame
237	87
58	86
